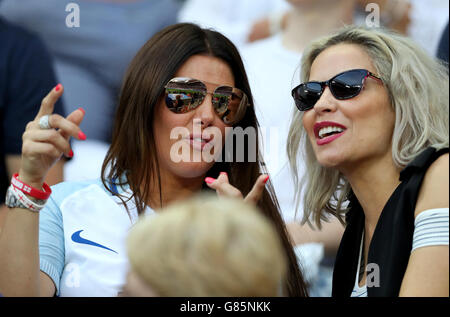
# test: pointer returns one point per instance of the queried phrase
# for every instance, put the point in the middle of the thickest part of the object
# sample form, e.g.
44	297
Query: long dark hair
133	150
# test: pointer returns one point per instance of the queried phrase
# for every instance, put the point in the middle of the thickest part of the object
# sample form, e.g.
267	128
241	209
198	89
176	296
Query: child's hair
208	246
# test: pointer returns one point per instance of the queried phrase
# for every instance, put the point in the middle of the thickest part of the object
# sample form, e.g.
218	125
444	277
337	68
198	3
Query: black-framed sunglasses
345	85
186	94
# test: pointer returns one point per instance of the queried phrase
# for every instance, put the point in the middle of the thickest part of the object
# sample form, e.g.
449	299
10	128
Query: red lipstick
327	124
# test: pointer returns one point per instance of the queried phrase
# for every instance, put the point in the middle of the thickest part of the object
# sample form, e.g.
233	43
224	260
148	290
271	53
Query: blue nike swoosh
76	238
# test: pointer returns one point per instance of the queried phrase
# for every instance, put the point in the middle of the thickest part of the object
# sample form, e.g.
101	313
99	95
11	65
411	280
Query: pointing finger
256	193
223	187
48	103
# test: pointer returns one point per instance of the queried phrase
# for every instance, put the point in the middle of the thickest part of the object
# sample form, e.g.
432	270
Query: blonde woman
205	246
373	124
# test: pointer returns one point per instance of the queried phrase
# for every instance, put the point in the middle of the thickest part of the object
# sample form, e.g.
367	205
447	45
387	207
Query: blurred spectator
26	75
442	52
272	65
394	14
206	246
423	21
91	59
428	20
239	20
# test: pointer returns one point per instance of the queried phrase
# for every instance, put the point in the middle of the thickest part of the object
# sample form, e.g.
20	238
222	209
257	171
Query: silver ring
44	122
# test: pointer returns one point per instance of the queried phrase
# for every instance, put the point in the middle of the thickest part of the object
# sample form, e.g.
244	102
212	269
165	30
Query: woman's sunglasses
186	94
343	86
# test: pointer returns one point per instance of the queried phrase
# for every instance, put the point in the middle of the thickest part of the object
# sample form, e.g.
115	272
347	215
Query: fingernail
266	179
224	173
58	87
81	135
71	153
82	110
209	180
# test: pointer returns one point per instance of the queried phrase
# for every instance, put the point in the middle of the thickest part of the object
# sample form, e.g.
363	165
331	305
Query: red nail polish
82	110
71	153
58	87
209	180
81	135
267	178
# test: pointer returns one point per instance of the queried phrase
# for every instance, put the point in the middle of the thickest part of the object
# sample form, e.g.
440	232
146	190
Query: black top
391	243
26	77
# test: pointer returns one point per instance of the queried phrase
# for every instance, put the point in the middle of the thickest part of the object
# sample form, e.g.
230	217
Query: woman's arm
19	261
427	273
55	174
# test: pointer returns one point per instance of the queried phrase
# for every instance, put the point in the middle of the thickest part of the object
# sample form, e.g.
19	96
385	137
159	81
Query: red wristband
27	189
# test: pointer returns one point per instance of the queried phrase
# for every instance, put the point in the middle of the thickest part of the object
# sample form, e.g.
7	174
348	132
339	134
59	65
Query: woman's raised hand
224	188
42	146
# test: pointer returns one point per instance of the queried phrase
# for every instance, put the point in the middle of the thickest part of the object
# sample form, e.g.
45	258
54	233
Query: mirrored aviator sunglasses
186	94
345	85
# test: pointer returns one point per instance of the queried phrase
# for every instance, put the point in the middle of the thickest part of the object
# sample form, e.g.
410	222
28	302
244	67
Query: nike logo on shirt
78	239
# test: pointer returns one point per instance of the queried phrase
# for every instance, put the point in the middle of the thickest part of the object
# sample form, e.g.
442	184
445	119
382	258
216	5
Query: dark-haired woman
82	228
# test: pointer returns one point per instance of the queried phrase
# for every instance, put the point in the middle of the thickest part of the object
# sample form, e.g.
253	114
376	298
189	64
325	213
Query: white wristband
25	201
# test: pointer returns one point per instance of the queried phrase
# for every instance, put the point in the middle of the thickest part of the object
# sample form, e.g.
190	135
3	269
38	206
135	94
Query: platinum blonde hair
418	89
208	246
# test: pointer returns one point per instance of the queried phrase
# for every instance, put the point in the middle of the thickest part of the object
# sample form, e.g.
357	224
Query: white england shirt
82	234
